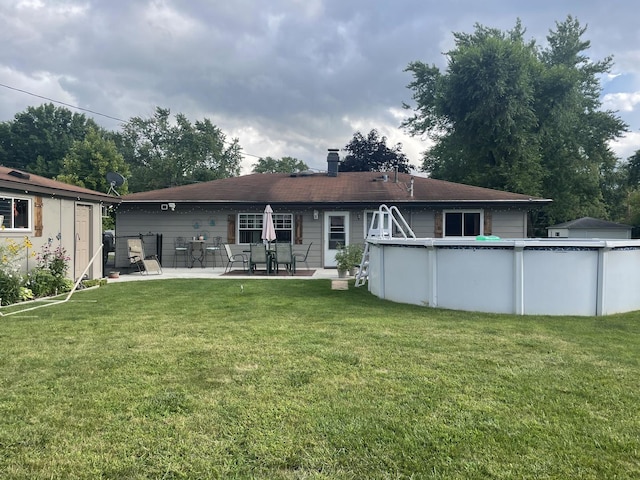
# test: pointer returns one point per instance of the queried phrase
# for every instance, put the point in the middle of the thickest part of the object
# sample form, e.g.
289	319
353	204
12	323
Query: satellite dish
115	180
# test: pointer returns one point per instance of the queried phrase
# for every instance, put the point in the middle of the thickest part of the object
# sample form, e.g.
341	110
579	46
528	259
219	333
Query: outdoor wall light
315	214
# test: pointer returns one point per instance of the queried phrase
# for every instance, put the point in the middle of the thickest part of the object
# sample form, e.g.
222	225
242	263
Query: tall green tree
630	172
508	115
162	153
372	154
284	165
89	160
38	139
580	167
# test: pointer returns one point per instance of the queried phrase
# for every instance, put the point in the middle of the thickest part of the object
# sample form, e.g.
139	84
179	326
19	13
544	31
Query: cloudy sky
285	77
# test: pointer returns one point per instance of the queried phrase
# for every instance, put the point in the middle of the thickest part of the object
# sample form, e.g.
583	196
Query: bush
354	251
349	256
41	282
11	279
10	285
95	282
48	278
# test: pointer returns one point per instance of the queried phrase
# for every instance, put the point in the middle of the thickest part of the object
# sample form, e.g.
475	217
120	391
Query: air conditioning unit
164	206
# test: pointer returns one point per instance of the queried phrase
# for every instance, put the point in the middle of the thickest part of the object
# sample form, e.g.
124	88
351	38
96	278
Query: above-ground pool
514	276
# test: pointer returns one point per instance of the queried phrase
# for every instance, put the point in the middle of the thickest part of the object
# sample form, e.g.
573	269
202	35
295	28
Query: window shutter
437	229
37	213
298	239
488	223
231	229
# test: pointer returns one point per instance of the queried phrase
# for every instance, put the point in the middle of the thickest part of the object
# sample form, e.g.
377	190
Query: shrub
343	260
49	276
354	251
42	282
11	279
95	282
10	285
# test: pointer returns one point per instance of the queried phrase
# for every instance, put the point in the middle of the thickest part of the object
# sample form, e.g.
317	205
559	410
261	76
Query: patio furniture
258	255
180	248
196	252
146	264
284	256
235	257
212	248
299	257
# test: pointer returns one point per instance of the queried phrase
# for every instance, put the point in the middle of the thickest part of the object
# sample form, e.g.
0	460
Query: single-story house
588	227
45	210
326	210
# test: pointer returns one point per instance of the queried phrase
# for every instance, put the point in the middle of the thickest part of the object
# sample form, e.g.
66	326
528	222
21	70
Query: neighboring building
588	227
329	209
47	210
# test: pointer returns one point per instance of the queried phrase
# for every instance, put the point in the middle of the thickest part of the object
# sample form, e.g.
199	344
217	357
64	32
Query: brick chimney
332	162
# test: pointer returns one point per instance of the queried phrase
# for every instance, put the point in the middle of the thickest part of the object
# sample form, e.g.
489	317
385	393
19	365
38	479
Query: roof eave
537	202
54	192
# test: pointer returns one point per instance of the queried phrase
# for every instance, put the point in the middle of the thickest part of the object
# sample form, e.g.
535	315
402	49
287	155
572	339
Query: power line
88	110
63	103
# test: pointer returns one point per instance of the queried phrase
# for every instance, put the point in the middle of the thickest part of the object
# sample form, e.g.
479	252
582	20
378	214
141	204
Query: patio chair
235	257
212	248
299	257
258	255
145	264
180	247
284	256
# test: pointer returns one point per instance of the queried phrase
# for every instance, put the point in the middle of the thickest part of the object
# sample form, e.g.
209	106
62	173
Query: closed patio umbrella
268	229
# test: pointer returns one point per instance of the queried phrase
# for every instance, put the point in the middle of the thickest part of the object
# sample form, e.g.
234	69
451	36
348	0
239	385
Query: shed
47	212
588	227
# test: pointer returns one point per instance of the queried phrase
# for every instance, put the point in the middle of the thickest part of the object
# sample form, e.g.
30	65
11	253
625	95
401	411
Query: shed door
336	234
83	238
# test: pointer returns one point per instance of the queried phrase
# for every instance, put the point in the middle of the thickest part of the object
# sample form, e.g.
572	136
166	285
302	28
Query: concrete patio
218	273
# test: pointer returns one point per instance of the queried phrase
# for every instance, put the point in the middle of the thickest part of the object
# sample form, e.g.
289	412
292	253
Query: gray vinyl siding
509	223
150	221
422	222
192	220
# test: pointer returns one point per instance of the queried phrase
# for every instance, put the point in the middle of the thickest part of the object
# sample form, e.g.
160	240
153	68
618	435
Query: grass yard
292	380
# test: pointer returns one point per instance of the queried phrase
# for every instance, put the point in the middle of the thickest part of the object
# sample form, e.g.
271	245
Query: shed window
250	227
16	213
463	223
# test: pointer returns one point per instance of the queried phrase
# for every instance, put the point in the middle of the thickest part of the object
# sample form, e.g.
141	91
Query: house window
463	223
250	227
16	213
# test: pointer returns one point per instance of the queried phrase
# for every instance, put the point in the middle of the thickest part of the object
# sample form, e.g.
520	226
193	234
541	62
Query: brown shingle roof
347	187
11	179
591	223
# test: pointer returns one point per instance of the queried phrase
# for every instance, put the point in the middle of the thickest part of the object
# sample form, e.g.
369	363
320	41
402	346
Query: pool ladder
382	226
363	272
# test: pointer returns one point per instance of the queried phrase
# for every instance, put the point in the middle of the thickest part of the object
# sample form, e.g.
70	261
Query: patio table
196	252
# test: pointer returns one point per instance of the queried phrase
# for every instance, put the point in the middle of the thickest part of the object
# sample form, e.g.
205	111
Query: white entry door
336	234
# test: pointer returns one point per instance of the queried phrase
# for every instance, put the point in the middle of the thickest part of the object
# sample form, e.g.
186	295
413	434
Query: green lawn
290	379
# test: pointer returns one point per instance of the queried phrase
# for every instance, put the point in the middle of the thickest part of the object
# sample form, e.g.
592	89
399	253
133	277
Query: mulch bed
263	273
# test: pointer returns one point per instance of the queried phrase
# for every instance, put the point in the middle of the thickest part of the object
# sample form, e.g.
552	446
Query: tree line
506	113
509	114
151	153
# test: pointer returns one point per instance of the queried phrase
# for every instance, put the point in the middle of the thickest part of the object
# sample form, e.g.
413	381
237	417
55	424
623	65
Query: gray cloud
287	77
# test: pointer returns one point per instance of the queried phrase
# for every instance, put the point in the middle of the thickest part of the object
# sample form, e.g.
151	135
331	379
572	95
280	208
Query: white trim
259	216
30	202
329	253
